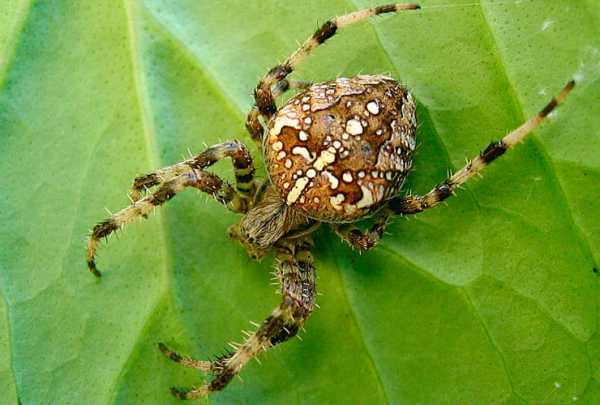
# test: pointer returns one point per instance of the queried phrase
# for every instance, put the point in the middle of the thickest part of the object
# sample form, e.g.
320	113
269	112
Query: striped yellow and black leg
263	94
253	124
219	189
242	163
296	273
287	84
412	204
360	240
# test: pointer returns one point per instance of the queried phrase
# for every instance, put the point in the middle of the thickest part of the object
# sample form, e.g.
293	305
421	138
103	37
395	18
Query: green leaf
491	298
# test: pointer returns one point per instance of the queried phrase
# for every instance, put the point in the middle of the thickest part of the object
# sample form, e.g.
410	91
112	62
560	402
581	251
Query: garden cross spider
336	152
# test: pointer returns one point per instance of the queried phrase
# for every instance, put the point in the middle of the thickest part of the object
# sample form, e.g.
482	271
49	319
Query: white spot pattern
297	190
302	151
354	127
373	107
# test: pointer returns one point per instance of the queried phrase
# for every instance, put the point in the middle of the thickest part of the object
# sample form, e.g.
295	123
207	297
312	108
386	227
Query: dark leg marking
297	276
414	204
363	241
494	150
242	163
204	181
263	95
326	31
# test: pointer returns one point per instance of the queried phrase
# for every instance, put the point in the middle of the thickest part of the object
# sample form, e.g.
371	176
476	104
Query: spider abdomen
340	149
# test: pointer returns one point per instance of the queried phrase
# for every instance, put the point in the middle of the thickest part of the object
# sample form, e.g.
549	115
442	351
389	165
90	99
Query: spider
335	153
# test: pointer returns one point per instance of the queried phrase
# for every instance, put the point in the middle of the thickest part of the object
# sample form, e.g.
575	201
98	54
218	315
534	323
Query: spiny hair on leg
410	204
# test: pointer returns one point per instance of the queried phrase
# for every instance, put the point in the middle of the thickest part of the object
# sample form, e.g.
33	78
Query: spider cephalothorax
336	152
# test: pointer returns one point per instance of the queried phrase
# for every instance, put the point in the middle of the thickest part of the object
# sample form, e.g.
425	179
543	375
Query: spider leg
296	273
412	204
242	163
203	365
219	189
263	94
286	84
253	124
360	240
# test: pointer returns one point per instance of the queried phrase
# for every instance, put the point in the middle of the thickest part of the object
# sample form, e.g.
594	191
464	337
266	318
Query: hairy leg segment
174	179
296	274
412	204
253	124
361	240
263	94
242	164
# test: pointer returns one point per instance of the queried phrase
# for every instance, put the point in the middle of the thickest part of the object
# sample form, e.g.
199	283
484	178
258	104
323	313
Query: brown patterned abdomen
341	148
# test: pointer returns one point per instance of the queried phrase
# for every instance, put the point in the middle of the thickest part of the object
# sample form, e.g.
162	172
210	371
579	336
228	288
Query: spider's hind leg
412	204
360	240
296	273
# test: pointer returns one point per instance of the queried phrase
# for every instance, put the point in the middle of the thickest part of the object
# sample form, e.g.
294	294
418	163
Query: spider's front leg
242	164
253	124
219	189
264	95
296	273
174	179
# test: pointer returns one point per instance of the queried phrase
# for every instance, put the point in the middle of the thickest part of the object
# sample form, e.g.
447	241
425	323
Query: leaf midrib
145	113
10	47
9	340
